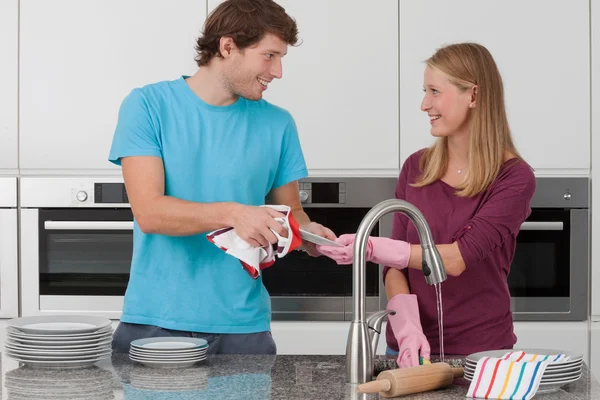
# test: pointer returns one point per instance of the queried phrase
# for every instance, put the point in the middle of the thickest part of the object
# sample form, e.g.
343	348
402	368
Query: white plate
554	368
168	364
14	332
499	353
134	352
77	343
564	369
157	359
169	343
40	357
59	324
545	379
141	350
316	239
57	352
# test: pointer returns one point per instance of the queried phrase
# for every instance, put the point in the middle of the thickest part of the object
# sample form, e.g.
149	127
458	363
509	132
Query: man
201	153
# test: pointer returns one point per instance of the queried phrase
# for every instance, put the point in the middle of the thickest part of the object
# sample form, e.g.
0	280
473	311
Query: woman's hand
389	252
406	325
319	230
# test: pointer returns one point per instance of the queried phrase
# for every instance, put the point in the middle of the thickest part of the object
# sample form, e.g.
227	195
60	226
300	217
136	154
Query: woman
474	190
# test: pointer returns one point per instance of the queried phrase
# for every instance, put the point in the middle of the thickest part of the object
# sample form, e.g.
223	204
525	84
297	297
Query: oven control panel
113	193
322	192
99	193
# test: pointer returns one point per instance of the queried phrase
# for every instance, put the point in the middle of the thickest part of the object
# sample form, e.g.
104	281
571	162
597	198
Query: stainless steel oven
309	288
76	246
549	278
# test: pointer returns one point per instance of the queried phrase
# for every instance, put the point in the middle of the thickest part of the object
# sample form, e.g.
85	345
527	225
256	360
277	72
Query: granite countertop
226	377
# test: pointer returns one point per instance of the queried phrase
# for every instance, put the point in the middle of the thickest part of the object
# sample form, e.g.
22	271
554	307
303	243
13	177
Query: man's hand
319	230
255	225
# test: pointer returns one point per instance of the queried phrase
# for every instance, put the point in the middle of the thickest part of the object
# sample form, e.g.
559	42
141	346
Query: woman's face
446	105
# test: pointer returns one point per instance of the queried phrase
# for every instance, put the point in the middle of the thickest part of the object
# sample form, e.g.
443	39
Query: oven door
549	273
75	260
316	288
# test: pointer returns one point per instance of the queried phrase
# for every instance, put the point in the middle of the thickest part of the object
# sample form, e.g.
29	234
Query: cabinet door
9	284
341	83
9	83
595	261
542	51
595	350
565	336
79	59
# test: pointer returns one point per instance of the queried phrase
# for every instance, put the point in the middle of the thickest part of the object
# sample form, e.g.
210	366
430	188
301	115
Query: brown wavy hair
467	65
246	22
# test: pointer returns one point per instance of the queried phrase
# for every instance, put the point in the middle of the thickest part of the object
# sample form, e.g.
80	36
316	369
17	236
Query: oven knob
81	196
303	195
567	196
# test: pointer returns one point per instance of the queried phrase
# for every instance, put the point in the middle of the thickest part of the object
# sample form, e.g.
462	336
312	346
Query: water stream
438	297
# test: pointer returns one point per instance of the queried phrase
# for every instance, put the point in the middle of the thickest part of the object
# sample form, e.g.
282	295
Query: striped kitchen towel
522	356
505	378
255	259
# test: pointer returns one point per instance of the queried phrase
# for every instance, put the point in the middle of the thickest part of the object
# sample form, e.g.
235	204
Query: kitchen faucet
362	344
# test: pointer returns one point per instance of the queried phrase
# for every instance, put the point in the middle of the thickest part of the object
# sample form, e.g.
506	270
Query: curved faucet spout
359	352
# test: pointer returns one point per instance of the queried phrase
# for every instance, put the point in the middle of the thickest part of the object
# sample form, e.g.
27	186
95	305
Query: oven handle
542	226
89	225
128	225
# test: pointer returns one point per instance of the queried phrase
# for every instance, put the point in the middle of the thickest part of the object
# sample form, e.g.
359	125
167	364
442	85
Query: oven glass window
85	262
298	274
541	265
97	262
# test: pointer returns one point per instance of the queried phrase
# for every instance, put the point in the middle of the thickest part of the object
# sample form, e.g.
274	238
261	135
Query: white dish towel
255	259
516	375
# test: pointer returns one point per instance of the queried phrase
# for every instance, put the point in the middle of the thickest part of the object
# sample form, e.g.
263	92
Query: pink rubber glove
407	329
390	252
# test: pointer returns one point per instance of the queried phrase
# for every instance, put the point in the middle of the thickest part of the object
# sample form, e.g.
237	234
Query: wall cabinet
9	83
544	63
341	84
79	59
595	187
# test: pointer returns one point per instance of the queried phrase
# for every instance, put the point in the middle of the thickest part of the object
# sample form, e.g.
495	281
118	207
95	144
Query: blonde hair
467	65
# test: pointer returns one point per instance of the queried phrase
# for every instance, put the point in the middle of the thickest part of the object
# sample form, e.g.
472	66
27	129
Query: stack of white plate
555	376
59	341
168	352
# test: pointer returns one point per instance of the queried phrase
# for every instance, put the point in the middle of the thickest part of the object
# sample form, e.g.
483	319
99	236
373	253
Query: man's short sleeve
136	134
291	164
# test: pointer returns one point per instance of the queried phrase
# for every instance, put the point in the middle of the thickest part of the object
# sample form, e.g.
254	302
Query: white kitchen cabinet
595	349
9	96
79	59
9	282
595	189
330	337
315	337
341	84
566	336
542	51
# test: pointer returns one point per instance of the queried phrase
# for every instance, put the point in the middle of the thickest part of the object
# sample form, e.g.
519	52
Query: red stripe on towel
493	379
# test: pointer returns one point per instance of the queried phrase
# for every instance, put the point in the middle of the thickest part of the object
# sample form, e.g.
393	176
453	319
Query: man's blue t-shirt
234	153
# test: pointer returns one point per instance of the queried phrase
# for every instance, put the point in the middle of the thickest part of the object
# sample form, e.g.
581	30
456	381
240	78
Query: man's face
248	73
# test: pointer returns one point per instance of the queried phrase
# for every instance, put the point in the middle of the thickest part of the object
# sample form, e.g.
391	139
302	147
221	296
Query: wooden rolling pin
402	381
